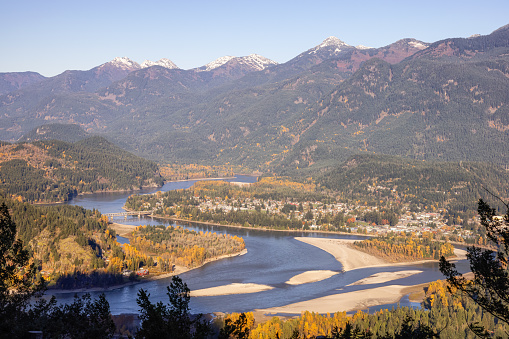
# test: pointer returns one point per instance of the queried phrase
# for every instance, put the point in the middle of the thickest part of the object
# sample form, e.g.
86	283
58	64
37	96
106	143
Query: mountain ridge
319	107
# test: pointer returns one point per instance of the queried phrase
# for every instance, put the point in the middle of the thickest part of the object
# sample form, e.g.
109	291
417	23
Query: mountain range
446	100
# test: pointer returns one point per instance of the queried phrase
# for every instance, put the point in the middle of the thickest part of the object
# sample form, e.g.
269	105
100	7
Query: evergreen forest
55	171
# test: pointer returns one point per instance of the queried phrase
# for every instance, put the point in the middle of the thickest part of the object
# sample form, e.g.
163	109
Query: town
313	215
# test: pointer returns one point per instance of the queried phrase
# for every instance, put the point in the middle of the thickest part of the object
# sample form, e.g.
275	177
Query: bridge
125	214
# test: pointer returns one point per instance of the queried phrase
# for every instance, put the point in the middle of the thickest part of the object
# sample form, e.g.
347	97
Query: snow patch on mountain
123	63
217	63
418	44
363	47
167	63
257	62
254	61
331	41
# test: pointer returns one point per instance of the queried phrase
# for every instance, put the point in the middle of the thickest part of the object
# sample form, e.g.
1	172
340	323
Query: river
272	258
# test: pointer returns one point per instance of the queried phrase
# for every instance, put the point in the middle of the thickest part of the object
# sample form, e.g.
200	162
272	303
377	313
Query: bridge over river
127	213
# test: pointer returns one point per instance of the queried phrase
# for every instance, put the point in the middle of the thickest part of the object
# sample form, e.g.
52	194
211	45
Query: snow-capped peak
217	63
254	61
332	41
257	62
167	63
417	44
124	63
362	47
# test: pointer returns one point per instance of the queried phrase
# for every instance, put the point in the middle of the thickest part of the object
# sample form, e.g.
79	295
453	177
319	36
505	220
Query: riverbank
137	189
343	302
201	179
56	203
265	229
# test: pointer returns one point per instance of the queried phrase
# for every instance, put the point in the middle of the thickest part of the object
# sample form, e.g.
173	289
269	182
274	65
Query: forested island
175	245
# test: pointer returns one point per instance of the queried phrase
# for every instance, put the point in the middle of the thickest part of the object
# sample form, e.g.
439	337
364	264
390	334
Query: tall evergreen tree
172	320
489	287
18	282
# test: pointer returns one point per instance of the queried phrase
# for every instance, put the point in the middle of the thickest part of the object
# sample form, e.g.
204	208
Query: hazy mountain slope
63	132
466	48
226	122
13	81
441	108
409	98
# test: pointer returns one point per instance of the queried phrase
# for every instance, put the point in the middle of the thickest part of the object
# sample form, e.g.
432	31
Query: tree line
395	248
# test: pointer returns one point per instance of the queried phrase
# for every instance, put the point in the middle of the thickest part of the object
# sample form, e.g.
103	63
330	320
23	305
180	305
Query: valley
367	172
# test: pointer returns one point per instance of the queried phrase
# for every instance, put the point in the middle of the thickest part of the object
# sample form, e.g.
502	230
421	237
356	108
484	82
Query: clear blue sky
52	36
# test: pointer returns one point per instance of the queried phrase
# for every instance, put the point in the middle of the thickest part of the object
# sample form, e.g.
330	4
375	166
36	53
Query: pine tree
172	320
490	286
18	282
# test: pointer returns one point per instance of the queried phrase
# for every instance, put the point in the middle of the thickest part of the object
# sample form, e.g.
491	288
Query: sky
50	37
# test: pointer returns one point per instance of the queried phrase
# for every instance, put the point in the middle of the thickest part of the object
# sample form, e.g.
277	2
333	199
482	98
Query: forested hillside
395	248
455	186
63	132
73	247
54	171
443	109
62	239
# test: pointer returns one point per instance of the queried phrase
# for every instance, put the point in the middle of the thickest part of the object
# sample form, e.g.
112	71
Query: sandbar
234	288
382	277
347	302
460	254
310	276
353	259
350	258
122	229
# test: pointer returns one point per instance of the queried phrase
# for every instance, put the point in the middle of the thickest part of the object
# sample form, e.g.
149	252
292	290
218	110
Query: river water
272	258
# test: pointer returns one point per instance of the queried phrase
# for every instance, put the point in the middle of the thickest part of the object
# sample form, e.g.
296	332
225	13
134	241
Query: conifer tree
18	283
489	287
172	320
